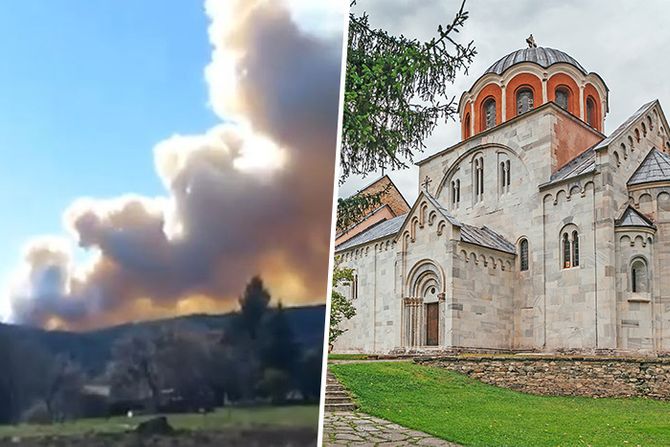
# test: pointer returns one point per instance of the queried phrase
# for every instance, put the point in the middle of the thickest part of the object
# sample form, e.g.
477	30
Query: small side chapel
536	232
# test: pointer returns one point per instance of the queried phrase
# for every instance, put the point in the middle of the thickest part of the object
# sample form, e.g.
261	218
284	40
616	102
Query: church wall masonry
375	327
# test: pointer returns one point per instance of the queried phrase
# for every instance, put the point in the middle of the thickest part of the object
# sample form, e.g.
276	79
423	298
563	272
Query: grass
347	356
462	410
306	416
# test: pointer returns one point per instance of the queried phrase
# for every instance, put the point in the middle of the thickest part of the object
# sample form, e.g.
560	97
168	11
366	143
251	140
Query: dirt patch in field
252	438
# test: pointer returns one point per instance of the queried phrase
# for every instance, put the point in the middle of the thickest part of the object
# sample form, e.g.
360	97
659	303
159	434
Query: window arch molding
563	97
570	246
489	113
591	112
638	272
466	126
478	176
524	99
524	255
464	162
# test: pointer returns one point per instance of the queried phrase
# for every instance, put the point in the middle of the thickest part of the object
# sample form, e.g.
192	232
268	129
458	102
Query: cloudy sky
155	158
625	42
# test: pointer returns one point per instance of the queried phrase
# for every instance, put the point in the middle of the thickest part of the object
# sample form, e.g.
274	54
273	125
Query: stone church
536	232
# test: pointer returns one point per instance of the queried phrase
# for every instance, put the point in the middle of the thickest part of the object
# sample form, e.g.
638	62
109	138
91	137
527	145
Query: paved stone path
346	428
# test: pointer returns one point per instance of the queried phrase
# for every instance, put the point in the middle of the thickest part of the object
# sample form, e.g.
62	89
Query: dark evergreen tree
278	347
253	306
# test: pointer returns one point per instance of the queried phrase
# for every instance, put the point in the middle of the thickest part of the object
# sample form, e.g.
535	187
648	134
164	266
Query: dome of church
542	56
526	79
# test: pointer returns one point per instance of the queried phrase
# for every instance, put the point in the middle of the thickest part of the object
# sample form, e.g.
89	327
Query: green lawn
236	418
454	407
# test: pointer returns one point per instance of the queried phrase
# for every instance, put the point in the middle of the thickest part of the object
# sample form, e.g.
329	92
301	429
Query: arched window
590	112
631	143
479	178
504	176
644	130
458	191
509	173
566	251
489	113
617	161
354	287
575	248
569	247
562	97
650	122
455	192
524	100
637	135
467	126
523	255
624	151
639	278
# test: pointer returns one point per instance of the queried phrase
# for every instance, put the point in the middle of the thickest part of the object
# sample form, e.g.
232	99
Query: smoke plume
251	195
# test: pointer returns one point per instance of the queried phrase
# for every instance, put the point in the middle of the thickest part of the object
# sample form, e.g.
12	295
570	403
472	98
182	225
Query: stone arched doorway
423	305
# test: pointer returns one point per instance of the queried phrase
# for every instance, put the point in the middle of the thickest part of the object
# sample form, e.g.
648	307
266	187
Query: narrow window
590	112
625	152
503	180
630	143
489	113
566	251
644	130
637	135
523	254
562	98
453	192
639	276
467	126
354	288
458	191
524	101
651	123
476	178
616	159
575	248
507	165
479	178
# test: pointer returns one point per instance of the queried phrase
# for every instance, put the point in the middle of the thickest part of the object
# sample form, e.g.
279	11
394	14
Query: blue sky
86	91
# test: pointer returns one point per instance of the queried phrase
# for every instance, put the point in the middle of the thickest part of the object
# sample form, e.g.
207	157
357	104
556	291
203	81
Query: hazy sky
150	151
626	42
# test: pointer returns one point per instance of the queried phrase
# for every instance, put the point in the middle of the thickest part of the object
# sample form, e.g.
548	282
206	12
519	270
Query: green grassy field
459	409
236	418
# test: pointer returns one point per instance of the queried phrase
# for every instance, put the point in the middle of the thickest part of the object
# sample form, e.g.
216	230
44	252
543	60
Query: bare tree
134	365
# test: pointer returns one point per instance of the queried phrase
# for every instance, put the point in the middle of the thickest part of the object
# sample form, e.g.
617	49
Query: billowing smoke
251	195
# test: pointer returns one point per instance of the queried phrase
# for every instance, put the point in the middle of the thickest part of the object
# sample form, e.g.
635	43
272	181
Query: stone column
472	117
544	88
503	103
442	309
581	102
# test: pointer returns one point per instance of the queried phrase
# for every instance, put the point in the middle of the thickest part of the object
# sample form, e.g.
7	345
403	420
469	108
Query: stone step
338	401
340	407
338	393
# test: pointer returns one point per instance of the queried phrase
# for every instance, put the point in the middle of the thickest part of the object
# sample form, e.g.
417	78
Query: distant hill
92	349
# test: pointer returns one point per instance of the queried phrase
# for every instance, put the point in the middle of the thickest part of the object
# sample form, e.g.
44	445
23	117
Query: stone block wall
567	376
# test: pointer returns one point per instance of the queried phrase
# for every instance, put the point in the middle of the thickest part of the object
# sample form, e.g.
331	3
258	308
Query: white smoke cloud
251	195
